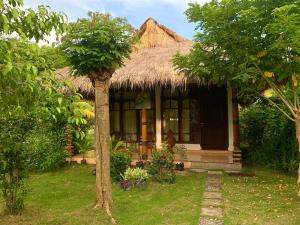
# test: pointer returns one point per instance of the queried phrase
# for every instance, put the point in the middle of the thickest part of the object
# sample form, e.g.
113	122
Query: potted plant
85	144
180	150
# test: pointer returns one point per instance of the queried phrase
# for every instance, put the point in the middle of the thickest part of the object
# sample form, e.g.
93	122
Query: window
130	123
176	115
125	118
185	120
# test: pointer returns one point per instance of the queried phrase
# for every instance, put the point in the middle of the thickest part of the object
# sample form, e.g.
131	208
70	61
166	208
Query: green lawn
269	198
67	196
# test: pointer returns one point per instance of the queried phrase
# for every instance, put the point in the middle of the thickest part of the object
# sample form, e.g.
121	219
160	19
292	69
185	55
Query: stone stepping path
212	212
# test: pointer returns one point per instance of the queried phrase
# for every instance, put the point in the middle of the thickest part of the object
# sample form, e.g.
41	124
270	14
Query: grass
67	197
266	199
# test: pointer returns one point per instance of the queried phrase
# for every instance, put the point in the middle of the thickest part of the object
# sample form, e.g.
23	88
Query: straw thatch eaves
149	64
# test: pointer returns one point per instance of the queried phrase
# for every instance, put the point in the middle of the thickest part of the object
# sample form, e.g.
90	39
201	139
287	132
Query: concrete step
216	166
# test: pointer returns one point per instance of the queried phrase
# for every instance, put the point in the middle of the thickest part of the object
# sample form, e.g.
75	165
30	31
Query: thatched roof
149	64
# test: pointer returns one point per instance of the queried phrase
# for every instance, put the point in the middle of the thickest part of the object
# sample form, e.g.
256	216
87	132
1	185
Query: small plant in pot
85	144
180	150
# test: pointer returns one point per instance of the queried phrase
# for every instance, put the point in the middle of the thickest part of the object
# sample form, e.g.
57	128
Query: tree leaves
29	23
235	36
99	43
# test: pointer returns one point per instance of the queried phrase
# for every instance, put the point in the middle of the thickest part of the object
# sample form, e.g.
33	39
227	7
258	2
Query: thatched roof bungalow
147	107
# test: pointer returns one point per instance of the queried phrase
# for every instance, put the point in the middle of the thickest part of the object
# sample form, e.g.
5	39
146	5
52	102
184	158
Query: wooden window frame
180	98
122	101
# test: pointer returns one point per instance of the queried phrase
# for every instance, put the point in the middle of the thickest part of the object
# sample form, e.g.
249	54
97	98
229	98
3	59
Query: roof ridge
177	37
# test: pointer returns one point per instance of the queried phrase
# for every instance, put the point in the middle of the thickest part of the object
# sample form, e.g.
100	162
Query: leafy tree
96	47
24	79
253	45
55	57
29	23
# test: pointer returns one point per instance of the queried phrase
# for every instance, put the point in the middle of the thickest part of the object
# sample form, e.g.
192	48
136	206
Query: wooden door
214	119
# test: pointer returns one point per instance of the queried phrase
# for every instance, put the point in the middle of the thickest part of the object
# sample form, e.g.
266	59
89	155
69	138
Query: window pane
185	104
116	106
195	132
185	93
174	93
130	125
115	121
174	104
186	121
150	121
167	93
186	137
128	95
186	125
117	95
166	104
126	105
171	121
132	105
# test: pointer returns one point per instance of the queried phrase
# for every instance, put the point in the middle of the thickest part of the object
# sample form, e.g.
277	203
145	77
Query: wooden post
237	155
144	131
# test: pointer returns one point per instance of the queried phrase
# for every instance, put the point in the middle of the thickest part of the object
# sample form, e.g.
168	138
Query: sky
167	12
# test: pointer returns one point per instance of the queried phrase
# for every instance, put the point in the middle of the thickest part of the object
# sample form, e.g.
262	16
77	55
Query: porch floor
196	159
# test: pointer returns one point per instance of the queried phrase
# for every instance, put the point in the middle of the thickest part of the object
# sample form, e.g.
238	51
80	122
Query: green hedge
268	138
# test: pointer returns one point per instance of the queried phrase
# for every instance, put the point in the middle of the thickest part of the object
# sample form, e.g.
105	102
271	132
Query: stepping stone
213	195
209	211
211	202
214	178
219	177
210	221
213	182
213	188
213	172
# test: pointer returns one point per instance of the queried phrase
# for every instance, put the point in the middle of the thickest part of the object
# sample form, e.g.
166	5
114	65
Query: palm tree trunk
297	123
102	139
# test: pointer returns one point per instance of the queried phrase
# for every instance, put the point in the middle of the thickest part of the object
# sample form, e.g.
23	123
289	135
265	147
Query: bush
46	149
268	138
134	177
162	166
13	163
119	162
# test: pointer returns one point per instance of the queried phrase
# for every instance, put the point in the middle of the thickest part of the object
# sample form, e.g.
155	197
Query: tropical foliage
251	45
33	110
162	165
268	138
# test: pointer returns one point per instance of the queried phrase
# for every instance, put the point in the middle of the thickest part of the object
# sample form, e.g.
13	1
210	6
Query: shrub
13	163
119	162
46	149
162	166
134	177
268	138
